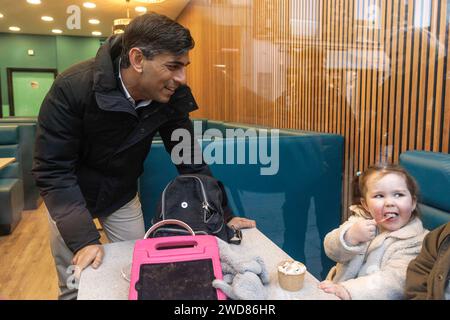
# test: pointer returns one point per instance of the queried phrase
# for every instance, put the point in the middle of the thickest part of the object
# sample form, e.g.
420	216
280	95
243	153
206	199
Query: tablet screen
181	280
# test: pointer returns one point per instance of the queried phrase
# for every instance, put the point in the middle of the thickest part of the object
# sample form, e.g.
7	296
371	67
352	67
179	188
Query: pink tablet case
174	249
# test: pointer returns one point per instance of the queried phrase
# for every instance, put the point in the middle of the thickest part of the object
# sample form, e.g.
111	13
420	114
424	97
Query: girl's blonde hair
360	182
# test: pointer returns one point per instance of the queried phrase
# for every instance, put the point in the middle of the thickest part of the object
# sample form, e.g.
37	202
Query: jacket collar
104	73
108	95
411	229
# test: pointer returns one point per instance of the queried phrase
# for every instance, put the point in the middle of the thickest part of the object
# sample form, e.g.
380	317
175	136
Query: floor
26	267
27	271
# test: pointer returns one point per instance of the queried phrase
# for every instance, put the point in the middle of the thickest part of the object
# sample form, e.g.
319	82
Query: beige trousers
127	223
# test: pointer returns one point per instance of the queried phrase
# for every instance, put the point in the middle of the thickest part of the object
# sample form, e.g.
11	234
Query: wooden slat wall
373	71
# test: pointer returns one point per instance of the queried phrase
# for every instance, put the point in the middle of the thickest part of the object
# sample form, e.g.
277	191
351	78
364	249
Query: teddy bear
244	276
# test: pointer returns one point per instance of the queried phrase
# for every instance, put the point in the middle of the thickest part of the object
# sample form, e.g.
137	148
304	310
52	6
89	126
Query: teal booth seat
431	170
14	120
11	186
27	134
295	207
216	125
219	129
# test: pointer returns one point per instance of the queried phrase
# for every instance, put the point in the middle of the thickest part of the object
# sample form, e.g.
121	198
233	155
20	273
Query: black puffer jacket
91	144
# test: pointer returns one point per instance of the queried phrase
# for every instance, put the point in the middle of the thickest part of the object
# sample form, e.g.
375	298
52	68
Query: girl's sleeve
337	249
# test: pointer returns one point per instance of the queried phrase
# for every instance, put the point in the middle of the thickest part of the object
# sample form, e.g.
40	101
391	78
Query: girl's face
388	200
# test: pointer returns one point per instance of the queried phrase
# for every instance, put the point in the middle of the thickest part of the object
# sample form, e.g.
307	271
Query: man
95	129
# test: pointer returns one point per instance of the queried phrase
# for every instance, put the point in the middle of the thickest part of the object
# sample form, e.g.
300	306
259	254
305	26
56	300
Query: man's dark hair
155	34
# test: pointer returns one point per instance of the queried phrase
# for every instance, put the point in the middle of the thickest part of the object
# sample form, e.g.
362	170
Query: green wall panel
71	50
56	52
13	54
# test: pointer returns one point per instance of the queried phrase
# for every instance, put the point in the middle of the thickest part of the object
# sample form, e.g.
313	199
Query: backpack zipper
205	199
205	203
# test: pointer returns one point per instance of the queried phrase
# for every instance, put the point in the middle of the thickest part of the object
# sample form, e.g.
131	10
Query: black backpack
195	199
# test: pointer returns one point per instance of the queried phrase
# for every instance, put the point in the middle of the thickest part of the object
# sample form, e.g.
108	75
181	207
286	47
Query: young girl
373	248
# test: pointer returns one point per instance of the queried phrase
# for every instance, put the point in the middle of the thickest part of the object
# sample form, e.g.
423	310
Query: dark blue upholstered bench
27	134
11	186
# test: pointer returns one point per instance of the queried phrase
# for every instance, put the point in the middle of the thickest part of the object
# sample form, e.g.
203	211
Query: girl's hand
336	289
361	231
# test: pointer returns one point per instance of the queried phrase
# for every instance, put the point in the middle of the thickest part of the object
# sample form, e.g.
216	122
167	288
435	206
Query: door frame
9	72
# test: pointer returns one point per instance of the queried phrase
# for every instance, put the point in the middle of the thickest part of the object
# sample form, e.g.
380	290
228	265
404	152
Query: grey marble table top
108	283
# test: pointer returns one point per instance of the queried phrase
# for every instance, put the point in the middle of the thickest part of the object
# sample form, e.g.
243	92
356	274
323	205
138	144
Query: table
107	282
5	161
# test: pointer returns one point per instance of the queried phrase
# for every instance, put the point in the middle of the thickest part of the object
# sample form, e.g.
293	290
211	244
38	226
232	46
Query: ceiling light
1	15
120	24
94	21
89	5
96	33
56	31
141	9
34	1
47	18
13	28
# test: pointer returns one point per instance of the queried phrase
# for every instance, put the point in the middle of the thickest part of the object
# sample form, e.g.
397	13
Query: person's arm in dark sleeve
58	135
196	163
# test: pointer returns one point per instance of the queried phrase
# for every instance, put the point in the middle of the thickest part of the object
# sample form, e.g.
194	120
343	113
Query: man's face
162	75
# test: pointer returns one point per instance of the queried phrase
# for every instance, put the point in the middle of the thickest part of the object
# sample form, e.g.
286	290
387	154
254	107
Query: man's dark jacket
91	144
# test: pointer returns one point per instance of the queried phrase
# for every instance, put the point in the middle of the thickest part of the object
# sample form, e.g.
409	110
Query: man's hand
336	289
361	231
241	223
91	254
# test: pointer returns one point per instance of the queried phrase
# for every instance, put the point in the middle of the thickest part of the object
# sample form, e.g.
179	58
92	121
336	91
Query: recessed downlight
96	33
94	21
89	5
14	28
141	9
34	1
1	15
58	31
47	18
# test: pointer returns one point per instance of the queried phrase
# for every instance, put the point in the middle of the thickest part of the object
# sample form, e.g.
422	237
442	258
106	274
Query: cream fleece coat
375	270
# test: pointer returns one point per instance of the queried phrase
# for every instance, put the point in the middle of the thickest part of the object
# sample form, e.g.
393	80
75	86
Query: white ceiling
28	17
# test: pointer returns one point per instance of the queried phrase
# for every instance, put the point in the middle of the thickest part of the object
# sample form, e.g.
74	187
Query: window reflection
371	70
304	18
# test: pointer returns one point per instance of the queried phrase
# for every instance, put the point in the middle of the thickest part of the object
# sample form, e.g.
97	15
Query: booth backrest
9	148
27	134
431	170
11	183
295	207
15	120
